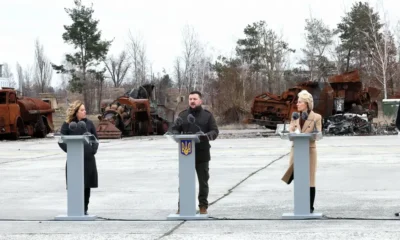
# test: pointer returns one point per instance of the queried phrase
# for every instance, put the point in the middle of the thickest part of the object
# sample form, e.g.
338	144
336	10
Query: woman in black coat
75	113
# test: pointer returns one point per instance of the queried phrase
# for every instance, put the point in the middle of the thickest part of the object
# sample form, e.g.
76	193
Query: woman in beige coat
305	104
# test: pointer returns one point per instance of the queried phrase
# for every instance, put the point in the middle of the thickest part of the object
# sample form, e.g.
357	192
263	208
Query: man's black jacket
203	120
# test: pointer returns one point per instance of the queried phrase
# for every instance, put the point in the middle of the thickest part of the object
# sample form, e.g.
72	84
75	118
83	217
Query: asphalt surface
357	190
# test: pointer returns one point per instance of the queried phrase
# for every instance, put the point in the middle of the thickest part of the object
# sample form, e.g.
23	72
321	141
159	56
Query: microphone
295	115
192	120
304	115
82	125
177	123
73	126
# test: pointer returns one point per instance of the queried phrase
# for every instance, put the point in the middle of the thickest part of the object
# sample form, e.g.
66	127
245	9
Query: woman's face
301	105
81	114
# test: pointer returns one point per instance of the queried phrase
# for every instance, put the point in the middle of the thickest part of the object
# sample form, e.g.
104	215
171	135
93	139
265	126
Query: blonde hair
305	96
72	110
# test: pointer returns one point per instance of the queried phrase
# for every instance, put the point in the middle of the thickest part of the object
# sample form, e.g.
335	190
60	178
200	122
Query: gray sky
219	23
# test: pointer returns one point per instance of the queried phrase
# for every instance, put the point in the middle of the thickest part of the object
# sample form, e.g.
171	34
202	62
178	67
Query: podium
75	177
187	177
301	181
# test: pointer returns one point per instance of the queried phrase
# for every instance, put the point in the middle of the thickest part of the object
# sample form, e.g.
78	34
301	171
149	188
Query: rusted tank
134	114
351	97
269	109
23	116
341	94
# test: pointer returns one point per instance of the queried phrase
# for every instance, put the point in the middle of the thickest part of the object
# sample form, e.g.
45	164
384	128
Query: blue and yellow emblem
186	147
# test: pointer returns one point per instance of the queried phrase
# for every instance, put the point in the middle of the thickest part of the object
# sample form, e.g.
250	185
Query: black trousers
203	175
87	196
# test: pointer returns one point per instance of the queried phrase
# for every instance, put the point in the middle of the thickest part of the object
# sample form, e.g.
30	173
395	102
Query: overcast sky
219	23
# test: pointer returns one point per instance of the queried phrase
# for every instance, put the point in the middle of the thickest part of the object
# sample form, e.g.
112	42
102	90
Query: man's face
194	100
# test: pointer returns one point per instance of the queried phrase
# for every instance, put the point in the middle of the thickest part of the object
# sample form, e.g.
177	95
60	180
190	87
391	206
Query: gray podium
187	178
75	177
301	181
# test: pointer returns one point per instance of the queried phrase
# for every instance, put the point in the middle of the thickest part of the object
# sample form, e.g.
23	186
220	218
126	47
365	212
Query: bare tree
397	32
138	57
318	40
118	68
43	68
178	73
381	51
338	56
395	67
265	51
20	73
28	82
190	53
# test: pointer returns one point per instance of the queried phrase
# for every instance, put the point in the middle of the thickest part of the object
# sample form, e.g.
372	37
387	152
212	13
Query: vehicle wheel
143	128
19	130
15	135
41	129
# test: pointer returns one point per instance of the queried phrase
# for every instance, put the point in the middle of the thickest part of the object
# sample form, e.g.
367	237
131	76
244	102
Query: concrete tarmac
357	190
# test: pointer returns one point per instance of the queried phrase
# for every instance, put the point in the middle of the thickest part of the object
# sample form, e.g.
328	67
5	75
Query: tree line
362	40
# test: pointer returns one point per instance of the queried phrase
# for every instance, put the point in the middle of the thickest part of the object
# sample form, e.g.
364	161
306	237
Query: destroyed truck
134	114
343	103
24	116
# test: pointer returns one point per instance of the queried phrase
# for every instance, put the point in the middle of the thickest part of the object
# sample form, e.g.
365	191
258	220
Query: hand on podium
203	136
175	132
317	135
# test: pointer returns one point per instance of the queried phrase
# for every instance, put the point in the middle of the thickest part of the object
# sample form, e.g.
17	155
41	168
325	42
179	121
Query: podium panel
301	181
75	177
187	177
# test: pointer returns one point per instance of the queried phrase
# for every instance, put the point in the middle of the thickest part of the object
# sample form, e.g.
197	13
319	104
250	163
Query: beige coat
308	127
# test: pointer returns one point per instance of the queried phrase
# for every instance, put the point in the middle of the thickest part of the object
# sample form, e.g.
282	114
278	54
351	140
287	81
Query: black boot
312	198
87	196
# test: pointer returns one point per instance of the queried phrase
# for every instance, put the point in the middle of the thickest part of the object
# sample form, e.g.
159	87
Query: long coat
314	119
90	150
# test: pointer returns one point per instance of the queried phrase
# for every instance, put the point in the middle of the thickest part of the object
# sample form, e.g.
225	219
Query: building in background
4	81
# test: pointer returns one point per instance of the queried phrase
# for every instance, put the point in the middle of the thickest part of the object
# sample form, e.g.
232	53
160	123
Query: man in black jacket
203	121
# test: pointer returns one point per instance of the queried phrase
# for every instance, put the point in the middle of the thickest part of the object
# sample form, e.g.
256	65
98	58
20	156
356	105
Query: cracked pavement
357	190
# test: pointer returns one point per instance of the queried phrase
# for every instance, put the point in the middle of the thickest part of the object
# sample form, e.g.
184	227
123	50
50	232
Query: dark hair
195	92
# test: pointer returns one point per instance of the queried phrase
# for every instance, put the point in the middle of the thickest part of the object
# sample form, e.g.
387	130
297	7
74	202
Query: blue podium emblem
186	147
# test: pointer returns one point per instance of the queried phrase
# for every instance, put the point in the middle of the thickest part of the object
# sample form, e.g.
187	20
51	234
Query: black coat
398	118
207	124
90	168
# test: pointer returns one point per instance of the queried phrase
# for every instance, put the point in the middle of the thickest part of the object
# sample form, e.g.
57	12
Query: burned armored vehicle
134	114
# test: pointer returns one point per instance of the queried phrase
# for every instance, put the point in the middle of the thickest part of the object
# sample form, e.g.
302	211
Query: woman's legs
87	196
312	198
